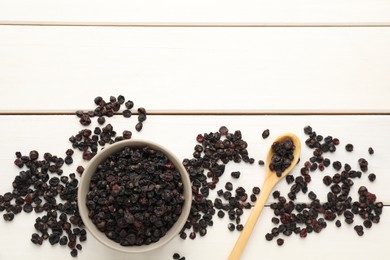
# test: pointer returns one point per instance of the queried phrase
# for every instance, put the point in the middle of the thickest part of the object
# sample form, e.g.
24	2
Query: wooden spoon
271	179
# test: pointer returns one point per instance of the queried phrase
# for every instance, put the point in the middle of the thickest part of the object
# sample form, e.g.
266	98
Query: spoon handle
251	222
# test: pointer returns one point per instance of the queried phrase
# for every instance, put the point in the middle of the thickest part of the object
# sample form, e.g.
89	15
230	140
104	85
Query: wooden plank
50	133
216	244
245	70
199	12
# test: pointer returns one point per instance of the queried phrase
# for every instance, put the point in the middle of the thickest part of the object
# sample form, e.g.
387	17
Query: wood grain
187	70
197	12
50	133
196	65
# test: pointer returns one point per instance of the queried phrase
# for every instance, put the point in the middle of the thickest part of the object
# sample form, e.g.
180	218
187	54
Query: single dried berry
240	227
256	190
80	169
138	126
18	162
127	134
367	223
126	113
85	120
121	99
223	130
372	177
34	155
54	238
183	235
363	164
269	236
63	240
370	150
236	174
313	167
265	133
337	165
192	235
73	253
129	104
231	227
101	120
261	162
68	160
227	195
141	110
349	147
290	179
276	194
312	195
202	232
275	220
303	233
326	162
338	223
308	130
253	197
98	100
27	208
141	117
112	99
229	186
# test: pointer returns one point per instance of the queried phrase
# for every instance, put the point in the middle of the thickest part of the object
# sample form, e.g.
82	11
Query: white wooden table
195	66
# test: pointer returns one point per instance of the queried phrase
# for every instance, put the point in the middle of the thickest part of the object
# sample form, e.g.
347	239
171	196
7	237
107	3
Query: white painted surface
196	69
202	69
50	133
227	12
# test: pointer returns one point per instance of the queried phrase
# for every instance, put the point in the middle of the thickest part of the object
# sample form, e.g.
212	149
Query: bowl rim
83	188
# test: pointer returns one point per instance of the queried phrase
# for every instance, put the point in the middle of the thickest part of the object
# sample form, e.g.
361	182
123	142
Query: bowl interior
84	188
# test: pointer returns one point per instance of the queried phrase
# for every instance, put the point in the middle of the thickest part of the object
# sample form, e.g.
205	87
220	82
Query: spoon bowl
271	179
270	175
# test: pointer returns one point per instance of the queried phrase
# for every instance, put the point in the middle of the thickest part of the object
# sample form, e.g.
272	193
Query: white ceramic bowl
84	188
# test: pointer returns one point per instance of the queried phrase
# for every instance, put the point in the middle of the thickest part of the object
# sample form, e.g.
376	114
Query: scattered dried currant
265	133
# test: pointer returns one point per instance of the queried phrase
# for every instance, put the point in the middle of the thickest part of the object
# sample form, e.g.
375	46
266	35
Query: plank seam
176	25
206	113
